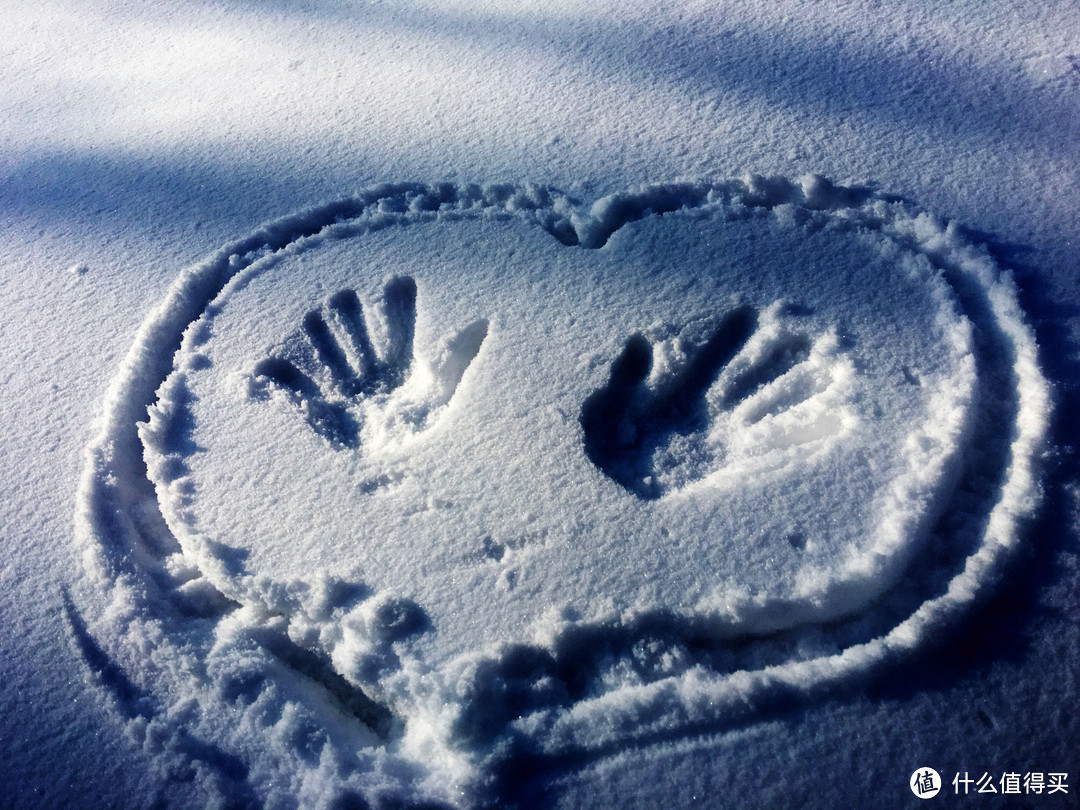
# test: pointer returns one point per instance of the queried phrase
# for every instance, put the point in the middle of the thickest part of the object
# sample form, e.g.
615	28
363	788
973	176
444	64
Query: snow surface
589	448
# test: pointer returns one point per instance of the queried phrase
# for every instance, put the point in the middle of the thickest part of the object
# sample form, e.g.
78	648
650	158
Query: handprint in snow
355	393
721	399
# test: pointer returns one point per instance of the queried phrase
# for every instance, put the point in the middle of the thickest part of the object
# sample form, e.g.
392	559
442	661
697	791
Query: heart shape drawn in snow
431	481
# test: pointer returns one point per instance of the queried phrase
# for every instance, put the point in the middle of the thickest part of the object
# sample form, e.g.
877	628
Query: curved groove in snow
320	686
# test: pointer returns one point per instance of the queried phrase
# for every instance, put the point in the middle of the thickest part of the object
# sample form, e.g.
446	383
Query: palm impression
745	394
433	484
332	373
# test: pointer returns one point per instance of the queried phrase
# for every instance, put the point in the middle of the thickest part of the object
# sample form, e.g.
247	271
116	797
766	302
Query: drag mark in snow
325	688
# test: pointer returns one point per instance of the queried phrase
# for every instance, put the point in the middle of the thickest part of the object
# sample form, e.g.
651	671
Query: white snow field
474	405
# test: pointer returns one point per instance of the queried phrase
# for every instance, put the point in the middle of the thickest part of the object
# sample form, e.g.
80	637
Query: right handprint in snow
721	399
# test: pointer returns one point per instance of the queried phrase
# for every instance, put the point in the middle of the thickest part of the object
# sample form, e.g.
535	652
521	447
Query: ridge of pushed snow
707	383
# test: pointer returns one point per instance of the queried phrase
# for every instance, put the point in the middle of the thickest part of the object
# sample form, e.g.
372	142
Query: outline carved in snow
244	693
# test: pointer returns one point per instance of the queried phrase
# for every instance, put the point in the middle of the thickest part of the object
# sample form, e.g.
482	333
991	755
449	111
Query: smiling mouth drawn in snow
400	494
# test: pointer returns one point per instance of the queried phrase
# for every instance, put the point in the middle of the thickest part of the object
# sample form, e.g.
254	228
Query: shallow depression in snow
487	468
644	425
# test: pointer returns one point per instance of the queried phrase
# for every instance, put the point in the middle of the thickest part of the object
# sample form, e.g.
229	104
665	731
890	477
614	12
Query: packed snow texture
301	572
400	493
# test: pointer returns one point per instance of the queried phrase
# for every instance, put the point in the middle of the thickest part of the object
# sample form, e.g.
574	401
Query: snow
458	405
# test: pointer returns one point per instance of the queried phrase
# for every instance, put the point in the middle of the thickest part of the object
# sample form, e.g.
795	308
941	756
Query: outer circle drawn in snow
721	389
